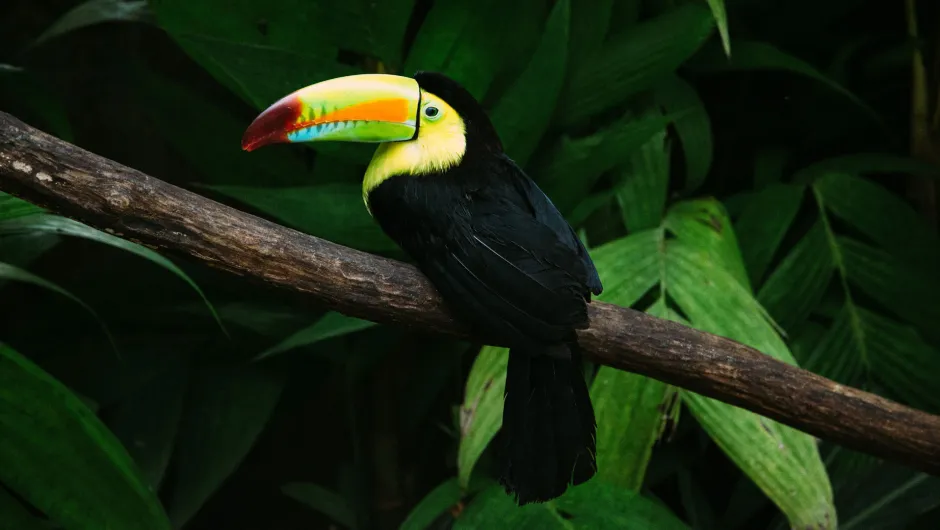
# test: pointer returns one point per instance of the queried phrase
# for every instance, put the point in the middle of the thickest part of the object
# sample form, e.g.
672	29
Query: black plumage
507	263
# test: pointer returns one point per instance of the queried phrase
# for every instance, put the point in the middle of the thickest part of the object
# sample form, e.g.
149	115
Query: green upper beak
356	108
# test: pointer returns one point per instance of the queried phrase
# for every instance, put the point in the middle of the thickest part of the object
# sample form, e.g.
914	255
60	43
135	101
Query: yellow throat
440	145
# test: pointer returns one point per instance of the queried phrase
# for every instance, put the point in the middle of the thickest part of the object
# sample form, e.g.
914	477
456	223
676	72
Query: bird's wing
546	213
511	274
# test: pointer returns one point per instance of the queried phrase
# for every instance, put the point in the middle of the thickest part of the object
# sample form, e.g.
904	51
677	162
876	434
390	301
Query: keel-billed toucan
494	246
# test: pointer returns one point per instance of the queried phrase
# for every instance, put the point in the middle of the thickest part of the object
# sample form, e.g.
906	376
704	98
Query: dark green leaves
322	500
763	223
524	111
693	127
572	166
755	55
57	455
334	212
644	179
634	61
12	207
9	272
481	414
53	224
799	282
721	20
328	326
464	40
704	274
629	408
880	215
96	12
148	421
433	505
263	51
15	515
371	28
592	505
227	409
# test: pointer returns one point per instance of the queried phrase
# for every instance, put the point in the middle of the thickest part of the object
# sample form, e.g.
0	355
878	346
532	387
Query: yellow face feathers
440	145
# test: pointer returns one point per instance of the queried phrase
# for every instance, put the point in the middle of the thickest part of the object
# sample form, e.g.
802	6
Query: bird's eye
431	112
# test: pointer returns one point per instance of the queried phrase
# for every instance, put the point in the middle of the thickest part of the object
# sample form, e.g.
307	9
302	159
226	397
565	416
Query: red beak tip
272	124
248	145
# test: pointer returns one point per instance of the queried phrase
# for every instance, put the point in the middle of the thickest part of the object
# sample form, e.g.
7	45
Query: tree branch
109	196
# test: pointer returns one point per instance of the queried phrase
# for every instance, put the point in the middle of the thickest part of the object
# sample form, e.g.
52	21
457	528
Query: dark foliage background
783	195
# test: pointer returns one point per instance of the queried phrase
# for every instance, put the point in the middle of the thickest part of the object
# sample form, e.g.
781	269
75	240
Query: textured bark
130	204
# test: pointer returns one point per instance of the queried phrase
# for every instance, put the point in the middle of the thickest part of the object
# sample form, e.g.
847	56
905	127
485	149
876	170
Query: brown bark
112	197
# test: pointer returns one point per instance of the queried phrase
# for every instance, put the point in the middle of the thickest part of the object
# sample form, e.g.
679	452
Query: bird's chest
422	213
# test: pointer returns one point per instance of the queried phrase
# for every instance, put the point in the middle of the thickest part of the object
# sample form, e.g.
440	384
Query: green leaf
371	28
226	411
54	224
782	461
147	422
212	135
897	227
884	496
588	206
9	272
628	267
261	74
758	56
721	20
624	16
714	299
330	325
634	61
705	225
268	320
14	515
464	40
836	354
261	53
769	165
571	167
909	293
35	99
322	500
594	504
644	182
695	502
590	20
765	451
21	250
677	96
763	223
523	113
334	212
797	285
445	495
12	207
94	12
59	457
901	360
481	414
629	408
865	164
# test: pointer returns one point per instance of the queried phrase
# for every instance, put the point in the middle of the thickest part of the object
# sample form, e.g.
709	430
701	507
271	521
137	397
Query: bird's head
431	118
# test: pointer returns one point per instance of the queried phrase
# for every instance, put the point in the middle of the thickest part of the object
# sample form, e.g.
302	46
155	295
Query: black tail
548	424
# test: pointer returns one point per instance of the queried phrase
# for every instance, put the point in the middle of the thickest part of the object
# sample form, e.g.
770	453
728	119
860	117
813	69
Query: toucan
503	258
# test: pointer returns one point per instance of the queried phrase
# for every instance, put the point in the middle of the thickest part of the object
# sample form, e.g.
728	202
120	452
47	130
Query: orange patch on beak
390	110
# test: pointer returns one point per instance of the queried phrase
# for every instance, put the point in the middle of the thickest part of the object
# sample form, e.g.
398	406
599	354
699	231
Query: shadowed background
789	178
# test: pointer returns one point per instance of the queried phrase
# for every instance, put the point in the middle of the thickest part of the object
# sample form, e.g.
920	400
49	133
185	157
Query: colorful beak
356	108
